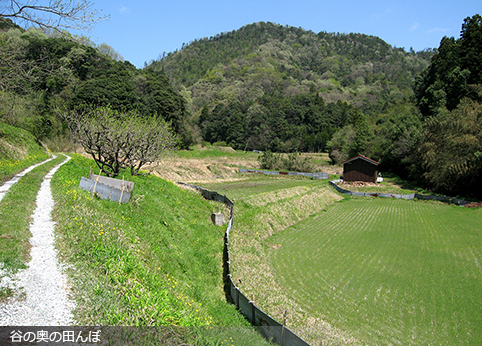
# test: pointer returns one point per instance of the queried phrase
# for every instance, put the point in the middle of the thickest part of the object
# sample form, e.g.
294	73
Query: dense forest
280	79
271	87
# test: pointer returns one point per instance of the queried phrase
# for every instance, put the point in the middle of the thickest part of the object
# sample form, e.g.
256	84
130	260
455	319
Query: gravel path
7	185
45	301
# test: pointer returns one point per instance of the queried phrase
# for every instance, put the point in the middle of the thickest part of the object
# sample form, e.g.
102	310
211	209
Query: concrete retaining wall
105	191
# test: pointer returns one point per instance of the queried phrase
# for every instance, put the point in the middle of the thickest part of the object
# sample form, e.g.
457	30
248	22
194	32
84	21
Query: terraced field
387	271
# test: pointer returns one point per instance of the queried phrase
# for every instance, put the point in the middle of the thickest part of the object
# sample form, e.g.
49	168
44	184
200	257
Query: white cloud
124	10
414	26
438	30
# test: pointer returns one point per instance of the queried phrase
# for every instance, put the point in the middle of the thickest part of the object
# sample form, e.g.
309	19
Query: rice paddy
387	271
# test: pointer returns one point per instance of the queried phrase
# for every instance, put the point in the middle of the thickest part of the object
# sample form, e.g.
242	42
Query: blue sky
142	30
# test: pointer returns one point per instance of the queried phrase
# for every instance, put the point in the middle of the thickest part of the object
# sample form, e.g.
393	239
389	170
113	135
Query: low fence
267	326
446	199
311	175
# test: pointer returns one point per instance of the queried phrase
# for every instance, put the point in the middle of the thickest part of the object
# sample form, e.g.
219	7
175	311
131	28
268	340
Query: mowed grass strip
388	271
16	209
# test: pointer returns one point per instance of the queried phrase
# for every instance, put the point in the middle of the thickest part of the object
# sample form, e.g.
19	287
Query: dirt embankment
198	170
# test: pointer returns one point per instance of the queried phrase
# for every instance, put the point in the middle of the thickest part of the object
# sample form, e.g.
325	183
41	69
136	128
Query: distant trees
118	140
449	157
279	124
42	77
268	59
292	162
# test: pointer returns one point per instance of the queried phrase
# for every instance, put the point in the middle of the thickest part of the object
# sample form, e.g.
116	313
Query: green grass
255	184
16	209
156	260
18	150
388	271
265	205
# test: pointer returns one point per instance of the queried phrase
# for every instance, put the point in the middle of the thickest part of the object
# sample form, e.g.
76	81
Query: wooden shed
360	168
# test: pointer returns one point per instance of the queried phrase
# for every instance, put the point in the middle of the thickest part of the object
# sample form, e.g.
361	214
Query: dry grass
201	170
211	169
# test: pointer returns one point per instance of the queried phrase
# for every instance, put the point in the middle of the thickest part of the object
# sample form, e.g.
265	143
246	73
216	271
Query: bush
270	160
293	162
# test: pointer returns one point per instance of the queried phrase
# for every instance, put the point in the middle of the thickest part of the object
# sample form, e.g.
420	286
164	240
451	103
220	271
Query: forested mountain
275	58
284	88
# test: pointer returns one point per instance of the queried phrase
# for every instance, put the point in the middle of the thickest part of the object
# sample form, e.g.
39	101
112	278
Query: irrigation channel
46	300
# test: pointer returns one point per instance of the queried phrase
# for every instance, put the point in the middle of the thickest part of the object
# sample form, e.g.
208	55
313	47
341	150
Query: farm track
46	302
5	187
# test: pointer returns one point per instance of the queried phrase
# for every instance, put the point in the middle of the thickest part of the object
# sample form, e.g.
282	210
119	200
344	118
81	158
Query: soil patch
349	184
473	205
196	170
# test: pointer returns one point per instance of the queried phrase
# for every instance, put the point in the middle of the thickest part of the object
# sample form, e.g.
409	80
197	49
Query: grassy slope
388	271
153	261
18	150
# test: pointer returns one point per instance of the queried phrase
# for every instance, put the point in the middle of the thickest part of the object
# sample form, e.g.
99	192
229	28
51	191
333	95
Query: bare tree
52	14
118	141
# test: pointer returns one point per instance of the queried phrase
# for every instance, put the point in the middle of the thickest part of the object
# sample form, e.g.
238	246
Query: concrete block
217	218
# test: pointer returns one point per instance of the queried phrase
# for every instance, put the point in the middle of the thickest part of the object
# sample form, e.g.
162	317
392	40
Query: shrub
293	162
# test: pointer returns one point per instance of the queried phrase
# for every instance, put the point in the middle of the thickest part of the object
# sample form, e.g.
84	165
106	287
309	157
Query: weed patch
18	150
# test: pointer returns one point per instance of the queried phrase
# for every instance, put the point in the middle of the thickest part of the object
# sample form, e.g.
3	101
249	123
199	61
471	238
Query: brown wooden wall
360	170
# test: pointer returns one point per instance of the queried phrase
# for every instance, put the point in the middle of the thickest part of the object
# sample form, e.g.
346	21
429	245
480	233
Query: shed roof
362	158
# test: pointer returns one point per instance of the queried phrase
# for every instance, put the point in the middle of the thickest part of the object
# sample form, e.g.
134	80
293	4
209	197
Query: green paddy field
358	271
388	271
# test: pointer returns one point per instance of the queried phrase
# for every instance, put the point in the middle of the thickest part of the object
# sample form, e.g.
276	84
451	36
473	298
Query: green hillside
263	58
286	89
43	76
155	261
18	150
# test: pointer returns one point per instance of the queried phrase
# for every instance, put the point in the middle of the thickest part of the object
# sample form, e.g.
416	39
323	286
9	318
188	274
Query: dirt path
44	300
